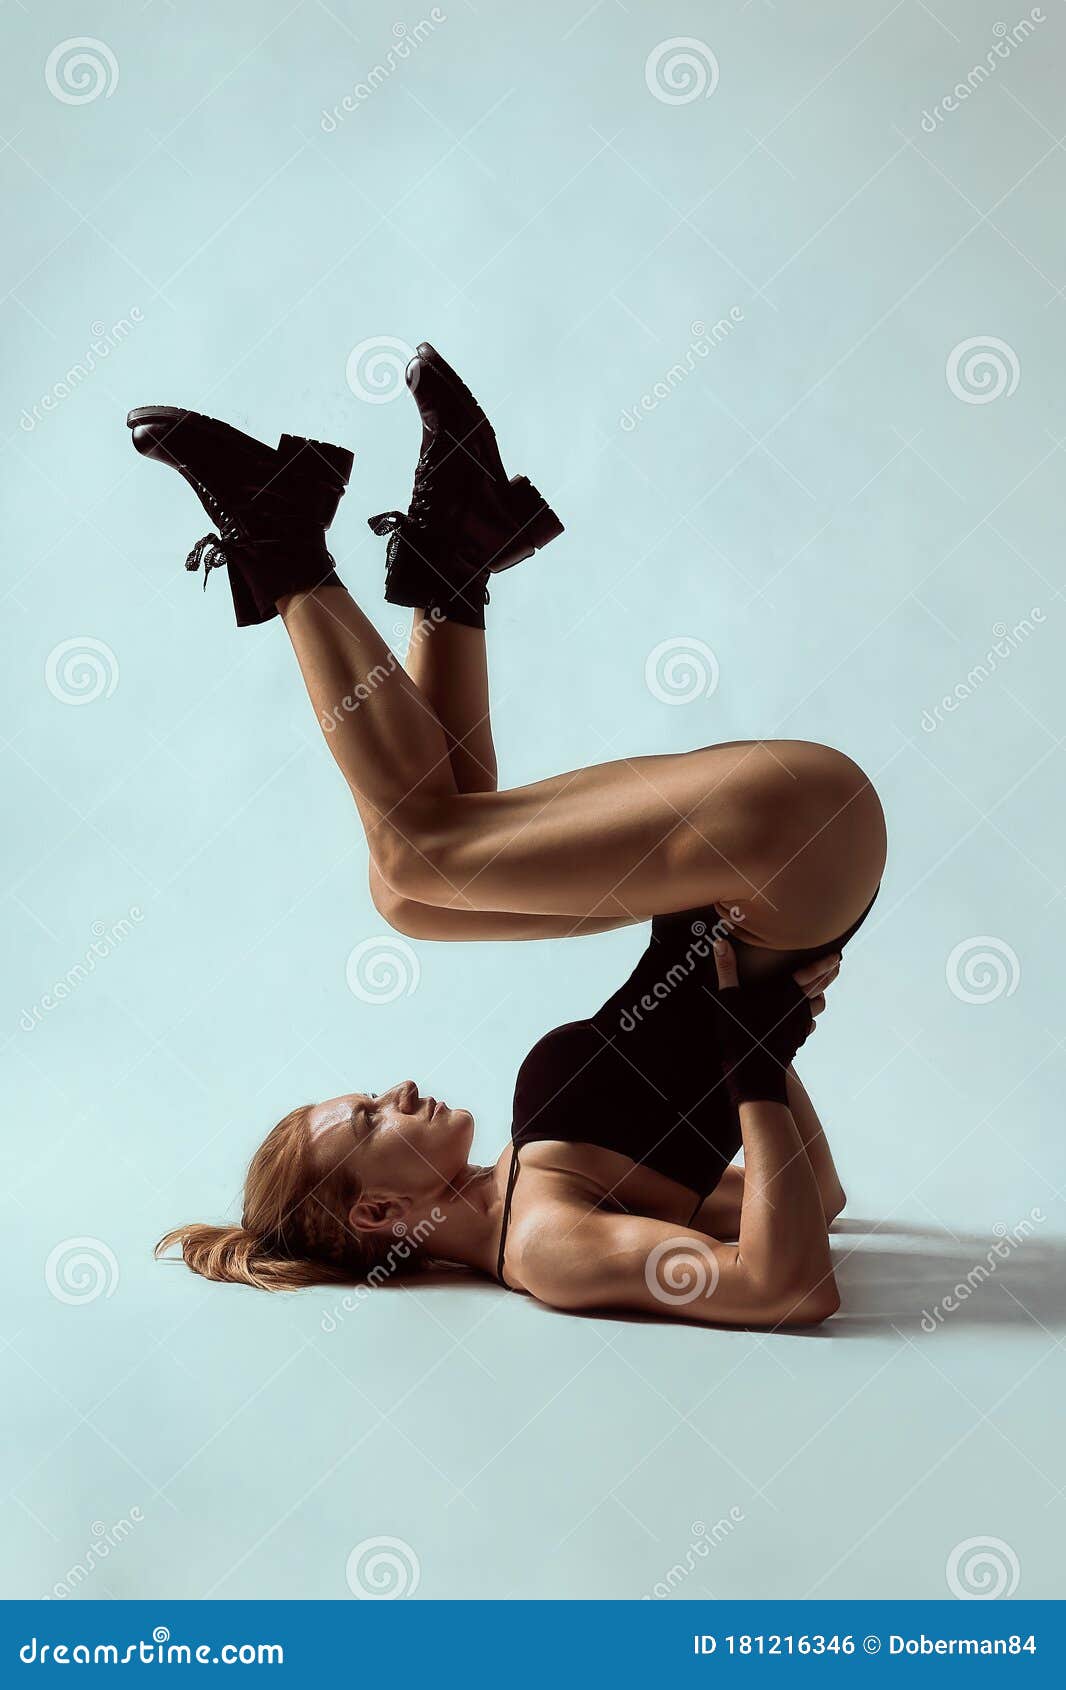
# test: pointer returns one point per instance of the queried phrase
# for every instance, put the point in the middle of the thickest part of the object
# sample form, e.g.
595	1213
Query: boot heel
316	460
313	473
535	524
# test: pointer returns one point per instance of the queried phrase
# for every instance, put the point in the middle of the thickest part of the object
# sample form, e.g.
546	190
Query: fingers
725	961
816	1002
815	976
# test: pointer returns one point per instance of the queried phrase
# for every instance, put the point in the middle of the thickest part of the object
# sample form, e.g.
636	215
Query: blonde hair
294	1231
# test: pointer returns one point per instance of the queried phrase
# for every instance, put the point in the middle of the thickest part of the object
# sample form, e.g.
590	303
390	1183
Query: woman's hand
814	977
761	1027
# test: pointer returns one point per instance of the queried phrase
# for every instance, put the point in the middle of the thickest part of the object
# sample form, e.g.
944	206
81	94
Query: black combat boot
466	520
271	506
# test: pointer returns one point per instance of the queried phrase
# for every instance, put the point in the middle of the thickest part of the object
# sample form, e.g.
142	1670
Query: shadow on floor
922	1280
913	1280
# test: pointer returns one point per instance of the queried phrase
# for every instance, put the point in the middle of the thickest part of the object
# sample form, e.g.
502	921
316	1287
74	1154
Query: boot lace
416	516
211	549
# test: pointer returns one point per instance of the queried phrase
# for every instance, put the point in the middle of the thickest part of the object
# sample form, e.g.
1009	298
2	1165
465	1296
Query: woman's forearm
816	1145
783	1244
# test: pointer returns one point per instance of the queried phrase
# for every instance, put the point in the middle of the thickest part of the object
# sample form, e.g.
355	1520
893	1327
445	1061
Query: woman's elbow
809	1305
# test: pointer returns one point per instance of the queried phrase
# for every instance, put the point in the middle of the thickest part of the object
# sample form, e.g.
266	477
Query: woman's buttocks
821	847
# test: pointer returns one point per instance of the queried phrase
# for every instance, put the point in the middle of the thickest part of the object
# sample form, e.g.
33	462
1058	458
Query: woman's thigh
787	832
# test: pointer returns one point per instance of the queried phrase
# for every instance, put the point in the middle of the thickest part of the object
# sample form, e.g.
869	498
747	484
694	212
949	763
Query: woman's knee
402	914
422	851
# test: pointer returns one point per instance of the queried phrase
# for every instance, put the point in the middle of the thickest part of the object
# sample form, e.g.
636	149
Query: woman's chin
458	1126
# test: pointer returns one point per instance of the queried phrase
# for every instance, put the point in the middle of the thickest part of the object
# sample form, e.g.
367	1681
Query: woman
754	861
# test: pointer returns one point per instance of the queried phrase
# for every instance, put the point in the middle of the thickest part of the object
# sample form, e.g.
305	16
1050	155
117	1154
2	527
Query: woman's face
396	1144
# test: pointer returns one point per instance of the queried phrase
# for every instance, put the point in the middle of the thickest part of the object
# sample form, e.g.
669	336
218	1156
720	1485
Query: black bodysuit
642	1075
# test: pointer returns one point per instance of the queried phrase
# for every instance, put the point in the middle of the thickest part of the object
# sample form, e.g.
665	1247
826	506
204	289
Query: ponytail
235	1256
294	1231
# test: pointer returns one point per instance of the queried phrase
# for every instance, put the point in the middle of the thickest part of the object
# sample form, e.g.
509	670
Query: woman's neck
472	1208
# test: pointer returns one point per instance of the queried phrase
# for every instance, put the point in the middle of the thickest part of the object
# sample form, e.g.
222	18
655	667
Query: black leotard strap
512	1180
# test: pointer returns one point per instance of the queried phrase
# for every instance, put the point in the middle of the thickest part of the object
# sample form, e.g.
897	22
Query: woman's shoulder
548	1234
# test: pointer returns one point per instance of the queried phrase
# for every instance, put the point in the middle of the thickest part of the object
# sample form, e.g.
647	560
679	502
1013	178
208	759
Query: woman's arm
719	1213
779	1273
816	1146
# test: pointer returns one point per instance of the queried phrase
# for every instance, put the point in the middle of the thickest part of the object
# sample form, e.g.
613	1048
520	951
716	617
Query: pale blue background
812	502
